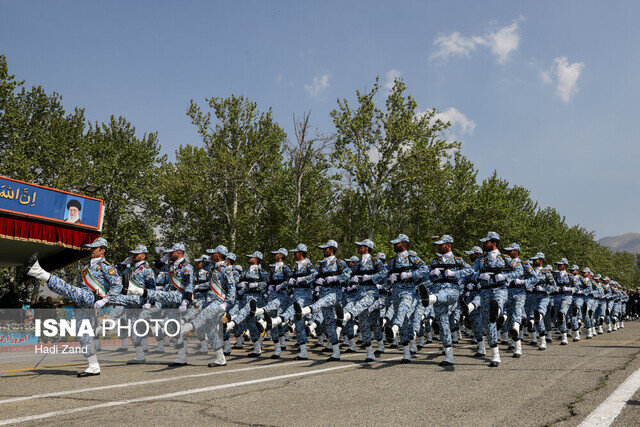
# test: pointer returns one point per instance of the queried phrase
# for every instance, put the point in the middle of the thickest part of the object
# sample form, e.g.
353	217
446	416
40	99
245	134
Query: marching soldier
102	284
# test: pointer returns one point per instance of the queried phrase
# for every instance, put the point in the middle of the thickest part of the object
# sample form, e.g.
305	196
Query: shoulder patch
111	271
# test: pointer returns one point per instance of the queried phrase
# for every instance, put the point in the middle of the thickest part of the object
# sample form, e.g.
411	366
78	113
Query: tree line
384	169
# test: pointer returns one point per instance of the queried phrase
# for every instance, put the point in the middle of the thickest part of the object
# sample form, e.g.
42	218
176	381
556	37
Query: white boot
590	333
352	345
381	346
406	357
564	340
40	274
277	350
421	342
140	356
471	307
239	342
609	327
412	346
230	325
303	352
182	356
495	357
336	352
218	358
600	331
226	348
517	349
92	369
257	347
276	321
448	357
306	311
576	335
534	338
370	354
549	336
543	343
621	324
481	351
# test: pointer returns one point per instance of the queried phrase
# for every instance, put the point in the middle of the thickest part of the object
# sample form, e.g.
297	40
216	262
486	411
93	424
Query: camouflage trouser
591	305
243	314
610	303
601	310
515	307
578	303
209	320
347	300
447	297
405	300
475	317
303	297
487	295
418	320
83	300
542	306
330	296
359	307
562	302
277	303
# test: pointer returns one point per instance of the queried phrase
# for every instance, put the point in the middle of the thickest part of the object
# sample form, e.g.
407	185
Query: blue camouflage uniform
100	281
332	275
368	274
406	271
493	271
563	297
544	288
253	282
278	300
518	291
301	282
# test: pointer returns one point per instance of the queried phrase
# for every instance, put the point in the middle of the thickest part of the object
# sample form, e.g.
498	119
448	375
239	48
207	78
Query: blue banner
25	199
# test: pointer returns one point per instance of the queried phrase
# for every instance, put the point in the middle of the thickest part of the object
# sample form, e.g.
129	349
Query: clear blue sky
545	92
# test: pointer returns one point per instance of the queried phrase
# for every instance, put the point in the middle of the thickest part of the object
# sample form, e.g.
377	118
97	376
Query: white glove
253	285
485	276
518	282
435	272
183	306
317	289
367	277
271	288
280	286
101	303
379	286
223	306
320	281
292	281
331	279
500	278
242	284
406	275
300	279
393	278
449	273
471	286
354	279
147	305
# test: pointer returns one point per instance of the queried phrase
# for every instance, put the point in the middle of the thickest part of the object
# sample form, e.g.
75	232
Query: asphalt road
559	386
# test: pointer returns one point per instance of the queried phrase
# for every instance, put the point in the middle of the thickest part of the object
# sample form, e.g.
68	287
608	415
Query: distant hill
629	242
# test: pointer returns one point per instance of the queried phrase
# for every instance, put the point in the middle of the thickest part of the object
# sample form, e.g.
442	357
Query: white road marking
608	410
153	381
180	393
